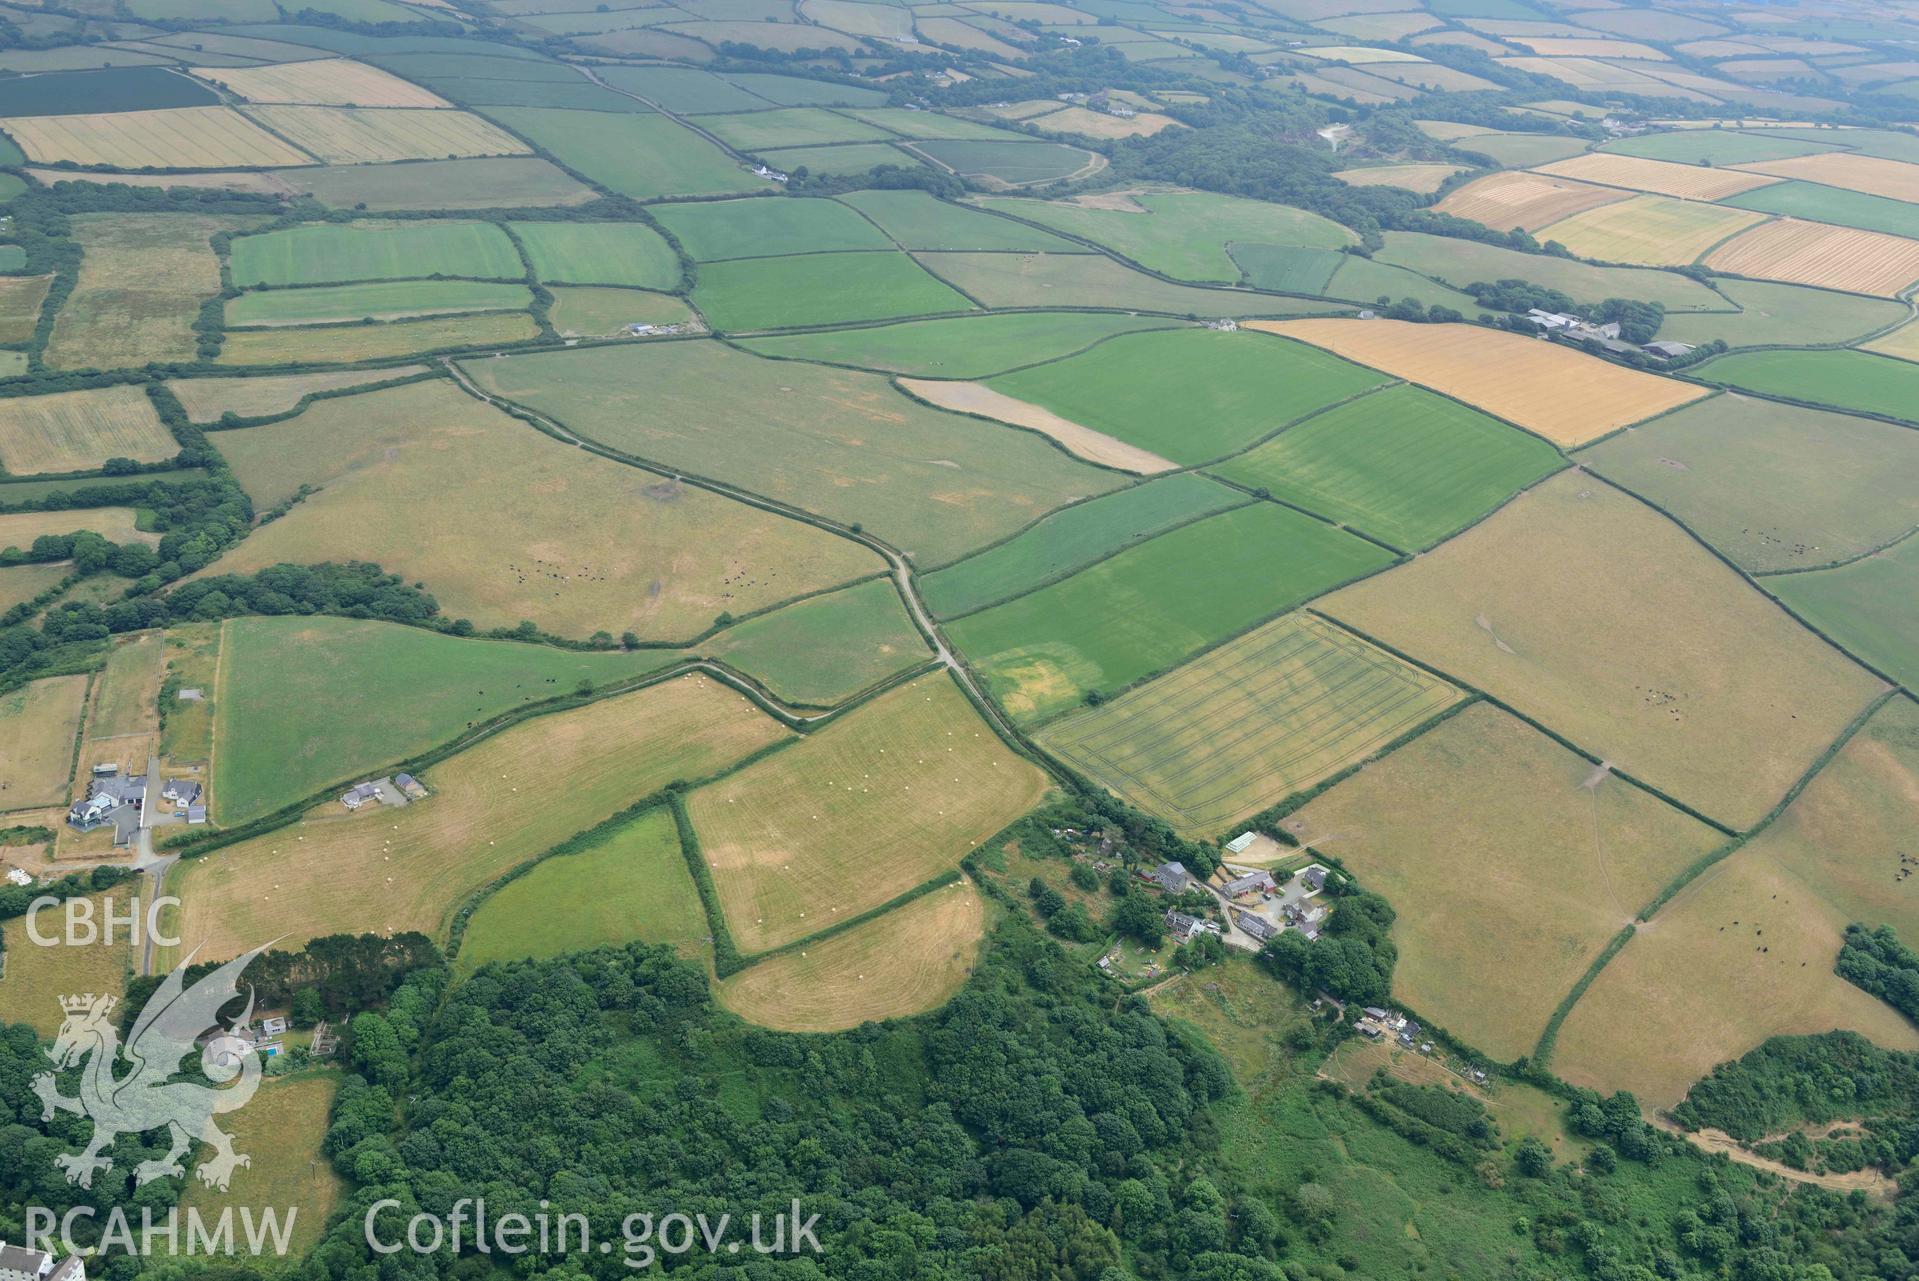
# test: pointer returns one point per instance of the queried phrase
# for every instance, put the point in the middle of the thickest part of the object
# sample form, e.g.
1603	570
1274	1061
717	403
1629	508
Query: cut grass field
1811	253
1743	954
420	478
1181	234
1687	182
343	344
1189	395
912	959
590	311
143	278
819	289
332	82
178	138
632	884
24	582
1566	396
1858	380
957	346
643	156
1071	539
1870	606
1527	201
384	870
825	649
306	702
599	253
115	524
126	692
324	253
281	1128
34	978
383	300
1831	205
1869	175
838	823
765	228
20	300
935	485
1558	856
206	399
358	136
1603	621
1404	465
1713	147
1466	262
1774	487
75	431
1652	231
1782	314
1081	280
1153	605
39	723
1080	441
1422	178
1248	724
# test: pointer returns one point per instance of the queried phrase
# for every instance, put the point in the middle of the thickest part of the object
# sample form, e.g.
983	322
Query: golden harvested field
1742	954
1812	253
349	136
174	138
331	82
20	299
1650	231
1687	182
839	823
205	399
35	978
338	344
494	806
1604	621
1097	124
142	280
115	524
1564	395
281	1128
39	723
1425	179
79	430
488	514
1893	179
906	962
1530	201
1522	858
1084	442
1566	47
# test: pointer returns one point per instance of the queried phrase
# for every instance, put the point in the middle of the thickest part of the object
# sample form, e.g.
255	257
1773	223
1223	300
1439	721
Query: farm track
1872	1182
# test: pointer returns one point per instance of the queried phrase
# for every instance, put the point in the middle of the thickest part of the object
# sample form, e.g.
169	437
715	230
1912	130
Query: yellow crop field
206	399
1607	623
1567	47
858	813
327	82
1661	177
1651	231
1742	954
1525	200
174	138
1094	446
1562	856
906	962
384	870
1564	395
350	136
1812	253
79	430
1893	179
39	723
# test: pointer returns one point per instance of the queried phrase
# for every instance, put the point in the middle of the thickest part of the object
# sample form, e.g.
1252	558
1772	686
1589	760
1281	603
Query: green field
1184	235
1713	147
1871	607
1329	273
793	91
1774	487
916	220
819	289
754	131
324	253
934	484
1844	379
1014	163
1248	724
630	884
591	311
482	182
930	125
1190	394
823	650
1792	315
1071	539
1831	204
1404	465
1153	605
385	300
304	702
643	156
343	344
767	227
1519	150
600	253
281	1130
1081	280
957	346
685	90
847	158
1467	262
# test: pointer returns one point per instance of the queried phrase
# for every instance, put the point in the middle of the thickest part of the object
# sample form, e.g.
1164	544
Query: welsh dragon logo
148	1097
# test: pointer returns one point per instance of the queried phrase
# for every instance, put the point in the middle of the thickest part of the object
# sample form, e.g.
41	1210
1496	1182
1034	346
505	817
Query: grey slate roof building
17	1263
1171	877
1256	925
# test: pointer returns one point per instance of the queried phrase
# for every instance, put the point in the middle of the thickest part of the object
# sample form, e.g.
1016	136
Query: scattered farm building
1259	882
1256	925
1185	929
114	799
1171	877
